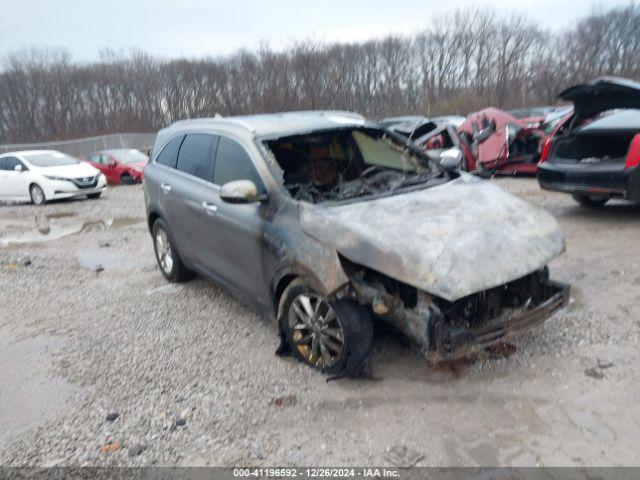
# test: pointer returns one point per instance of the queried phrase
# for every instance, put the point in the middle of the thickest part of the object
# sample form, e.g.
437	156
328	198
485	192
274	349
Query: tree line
461	62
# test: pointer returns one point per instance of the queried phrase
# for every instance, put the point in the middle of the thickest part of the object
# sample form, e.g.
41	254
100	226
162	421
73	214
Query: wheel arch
285	276
35	183
151	219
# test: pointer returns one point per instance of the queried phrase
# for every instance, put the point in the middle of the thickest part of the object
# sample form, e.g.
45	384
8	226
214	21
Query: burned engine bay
346	163
444	330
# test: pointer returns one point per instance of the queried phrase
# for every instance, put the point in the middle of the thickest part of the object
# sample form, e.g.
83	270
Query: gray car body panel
450	240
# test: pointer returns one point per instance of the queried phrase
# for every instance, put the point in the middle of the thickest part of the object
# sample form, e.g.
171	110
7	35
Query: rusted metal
451	346
438	340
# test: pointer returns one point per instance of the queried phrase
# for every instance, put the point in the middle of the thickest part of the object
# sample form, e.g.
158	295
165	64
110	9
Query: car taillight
545	150
633	158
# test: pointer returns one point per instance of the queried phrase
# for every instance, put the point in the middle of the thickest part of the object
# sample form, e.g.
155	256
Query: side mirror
451	158
239	191
18	168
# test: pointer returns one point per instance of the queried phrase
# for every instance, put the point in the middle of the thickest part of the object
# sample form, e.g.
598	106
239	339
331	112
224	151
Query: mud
30	395
43	228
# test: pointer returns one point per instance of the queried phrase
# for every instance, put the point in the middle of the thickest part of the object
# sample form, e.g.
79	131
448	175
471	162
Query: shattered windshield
349	163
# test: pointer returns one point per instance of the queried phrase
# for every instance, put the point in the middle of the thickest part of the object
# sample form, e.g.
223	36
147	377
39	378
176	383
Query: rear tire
167	256
127	179
334	336
37	195
590	200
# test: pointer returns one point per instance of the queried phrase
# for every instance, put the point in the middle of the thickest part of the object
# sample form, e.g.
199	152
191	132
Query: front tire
167	256
590	200
334	336
37	195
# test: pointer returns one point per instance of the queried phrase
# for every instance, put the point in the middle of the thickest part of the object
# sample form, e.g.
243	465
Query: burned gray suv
326	222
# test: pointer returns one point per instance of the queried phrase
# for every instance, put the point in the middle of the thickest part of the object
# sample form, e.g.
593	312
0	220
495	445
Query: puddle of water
55	226
29	396
98	260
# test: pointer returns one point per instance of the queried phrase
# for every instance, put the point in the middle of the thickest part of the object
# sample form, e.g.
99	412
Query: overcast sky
172	28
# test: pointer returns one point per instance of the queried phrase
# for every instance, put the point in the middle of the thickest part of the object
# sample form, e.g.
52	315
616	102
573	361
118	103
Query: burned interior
345	163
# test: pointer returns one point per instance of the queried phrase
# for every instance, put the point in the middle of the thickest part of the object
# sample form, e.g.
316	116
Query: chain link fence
81	147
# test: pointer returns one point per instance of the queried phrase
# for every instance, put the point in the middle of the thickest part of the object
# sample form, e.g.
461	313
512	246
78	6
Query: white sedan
42	175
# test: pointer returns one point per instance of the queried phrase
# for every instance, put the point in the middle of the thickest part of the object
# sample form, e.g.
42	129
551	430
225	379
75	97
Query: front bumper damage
437	339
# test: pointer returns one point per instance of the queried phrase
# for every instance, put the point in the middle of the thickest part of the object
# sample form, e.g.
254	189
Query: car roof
26	153
267	125
282	123
276	124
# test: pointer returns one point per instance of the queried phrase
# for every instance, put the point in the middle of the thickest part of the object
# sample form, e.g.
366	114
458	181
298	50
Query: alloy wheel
163	251
37	195
316	330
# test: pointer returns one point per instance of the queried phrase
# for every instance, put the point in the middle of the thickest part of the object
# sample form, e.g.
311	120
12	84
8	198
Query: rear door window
234	163
196	155
169	154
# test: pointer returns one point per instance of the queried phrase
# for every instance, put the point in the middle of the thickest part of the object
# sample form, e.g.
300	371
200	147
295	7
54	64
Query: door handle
209	207
166	188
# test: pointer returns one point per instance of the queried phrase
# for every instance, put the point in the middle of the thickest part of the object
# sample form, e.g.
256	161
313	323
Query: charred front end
444	330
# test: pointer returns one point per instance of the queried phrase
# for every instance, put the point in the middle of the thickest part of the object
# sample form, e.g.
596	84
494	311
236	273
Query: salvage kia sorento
326	222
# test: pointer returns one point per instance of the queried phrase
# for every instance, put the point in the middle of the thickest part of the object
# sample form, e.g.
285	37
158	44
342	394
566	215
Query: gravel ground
113	366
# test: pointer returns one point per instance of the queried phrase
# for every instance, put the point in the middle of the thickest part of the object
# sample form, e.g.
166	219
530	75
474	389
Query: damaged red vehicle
502	143
487	142
595	154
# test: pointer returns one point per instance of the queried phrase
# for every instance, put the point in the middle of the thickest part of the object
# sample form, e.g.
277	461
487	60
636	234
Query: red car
121	165
504	143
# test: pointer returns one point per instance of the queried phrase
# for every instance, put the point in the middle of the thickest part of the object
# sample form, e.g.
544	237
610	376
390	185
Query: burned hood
601	94
450	240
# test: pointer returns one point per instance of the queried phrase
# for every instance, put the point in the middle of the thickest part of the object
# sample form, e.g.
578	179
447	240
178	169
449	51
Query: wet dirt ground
89	329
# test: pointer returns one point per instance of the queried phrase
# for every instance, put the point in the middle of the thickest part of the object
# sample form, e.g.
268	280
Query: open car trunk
605	140
596	148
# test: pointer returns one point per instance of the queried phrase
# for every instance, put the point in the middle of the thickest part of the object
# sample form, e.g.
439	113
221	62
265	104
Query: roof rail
217	119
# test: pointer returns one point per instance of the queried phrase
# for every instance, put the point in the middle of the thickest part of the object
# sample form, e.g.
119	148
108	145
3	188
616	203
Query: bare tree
460	63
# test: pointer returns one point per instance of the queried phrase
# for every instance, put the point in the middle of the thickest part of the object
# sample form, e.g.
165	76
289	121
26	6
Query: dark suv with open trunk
595	155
